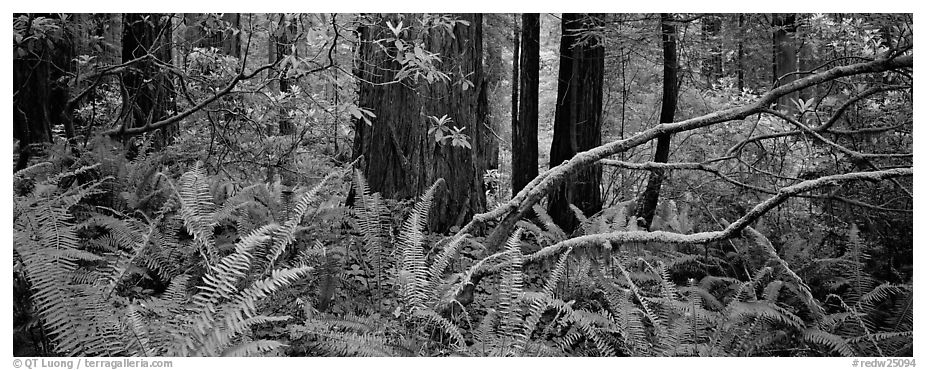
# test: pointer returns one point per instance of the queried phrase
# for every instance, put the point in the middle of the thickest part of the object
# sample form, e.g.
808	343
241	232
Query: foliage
83	267
210	245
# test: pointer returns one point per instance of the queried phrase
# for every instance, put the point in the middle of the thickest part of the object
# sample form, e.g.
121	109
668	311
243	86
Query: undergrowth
137	258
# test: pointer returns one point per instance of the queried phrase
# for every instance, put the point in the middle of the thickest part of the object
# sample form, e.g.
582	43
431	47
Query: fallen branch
538	188
649	166
732	229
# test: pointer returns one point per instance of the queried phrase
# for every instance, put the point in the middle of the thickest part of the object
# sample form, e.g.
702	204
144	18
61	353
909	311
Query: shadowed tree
524	128
785	54
740	55
42	52
650	197
282	38
147	89
712	64
218	31
401	159
577	125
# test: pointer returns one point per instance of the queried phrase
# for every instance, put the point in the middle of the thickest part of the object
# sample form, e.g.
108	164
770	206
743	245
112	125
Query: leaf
396	30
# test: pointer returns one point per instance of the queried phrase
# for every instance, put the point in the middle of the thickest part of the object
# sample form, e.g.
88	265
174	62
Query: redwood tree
215	31
282	37
524	128
712	63
577	122
401	159
148	91
650	198
784	53
42	52
515	71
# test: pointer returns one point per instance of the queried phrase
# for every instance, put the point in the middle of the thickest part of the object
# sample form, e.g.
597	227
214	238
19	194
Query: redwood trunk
785	54
669	101
281	43
524	130
740	69
148	91
712	65
400	159
515	74
577	123
215	31
40	93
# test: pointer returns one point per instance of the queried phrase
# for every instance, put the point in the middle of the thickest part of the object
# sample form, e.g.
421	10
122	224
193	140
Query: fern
283	236
413	274
197	211
45	238
349	336
509	294
830	341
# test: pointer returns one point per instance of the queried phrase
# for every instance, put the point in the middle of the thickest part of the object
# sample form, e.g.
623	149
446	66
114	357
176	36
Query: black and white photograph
447	185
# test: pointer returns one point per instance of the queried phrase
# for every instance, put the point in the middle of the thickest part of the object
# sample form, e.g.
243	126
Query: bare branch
522	203
823	127
732	229
122	131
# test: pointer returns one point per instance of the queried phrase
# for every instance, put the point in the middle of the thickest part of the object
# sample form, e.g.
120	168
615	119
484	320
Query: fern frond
442	261
510	291
830	341
29	171
256	347
240	313
705	298
881	293
429	317
283	237
137	332
772	291
658	324
483	334
557	234
220	282
413	274
354	344
196	209
766	311
583	221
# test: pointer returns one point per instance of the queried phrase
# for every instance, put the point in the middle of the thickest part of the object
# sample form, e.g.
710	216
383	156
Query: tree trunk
650	198
785	54
40	91
740	81
515	78
805	55
215	31
577	122
400	159
712	64
282	40
148	91
524	131
496	29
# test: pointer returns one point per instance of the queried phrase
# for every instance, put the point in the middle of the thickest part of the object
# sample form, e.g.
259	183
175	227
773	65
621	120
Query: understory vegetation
186	267
268	209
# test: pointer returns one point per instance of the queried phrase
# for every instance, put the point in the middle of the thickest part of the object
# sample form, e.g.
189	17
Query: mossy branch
731	230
